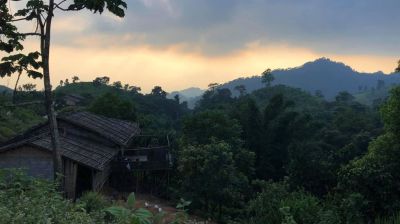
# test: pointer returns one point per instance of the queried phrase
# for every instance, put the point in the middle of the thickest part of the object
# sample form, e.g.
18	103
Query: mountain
190	95
5	89
323	74
189	92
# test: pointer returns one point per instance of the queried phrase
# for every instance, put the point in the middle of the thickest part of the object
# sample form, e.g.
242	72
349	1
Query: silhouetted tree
41	13
29	87
126	87
101	81
75	79
267	77
158	91
117	84
213	86
135	89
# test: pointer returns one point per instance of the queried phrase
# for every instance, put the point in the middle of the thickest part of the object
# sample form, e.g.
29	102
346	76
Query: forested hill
4	89
325	75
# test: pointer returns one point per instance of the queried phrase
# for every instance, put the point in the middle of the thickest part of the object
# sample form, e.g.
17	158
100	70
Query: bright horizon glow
175	69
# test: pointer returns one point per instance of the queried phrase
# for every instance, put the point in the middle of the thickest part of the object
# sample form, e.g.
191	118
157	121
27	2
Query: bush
93	201
27	200
276	205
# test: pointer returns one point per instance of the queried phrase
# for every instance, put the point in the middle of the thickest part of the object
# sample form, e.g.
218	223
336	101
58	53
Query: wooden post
70	172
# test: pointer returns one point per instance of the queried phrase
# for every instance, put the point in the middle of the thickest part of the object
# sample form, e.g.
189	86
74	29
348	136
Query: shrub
93	201
27	200
276	205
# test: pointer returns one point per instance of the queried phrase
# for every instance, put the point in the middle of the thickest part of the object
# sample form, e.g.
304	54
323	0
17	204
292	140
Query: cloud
175	68
181	43
218	27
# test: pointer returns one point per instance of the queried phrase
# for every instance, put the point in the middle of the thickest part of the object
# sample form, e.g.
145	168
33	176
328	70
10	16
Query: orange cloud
175	67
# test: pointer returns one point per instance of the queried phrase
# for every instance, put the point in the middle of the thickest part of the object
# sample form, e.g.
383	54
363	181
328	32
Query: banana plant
130	214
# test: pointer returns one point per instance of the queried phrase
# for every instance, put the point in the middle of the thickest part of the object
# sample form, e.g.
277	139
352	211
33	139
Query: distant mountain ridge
190	95
4	89
323	74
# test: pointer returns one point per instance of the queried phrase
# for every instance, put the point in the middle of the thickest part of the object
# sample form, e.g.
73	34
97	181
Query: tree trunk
51	116
14	99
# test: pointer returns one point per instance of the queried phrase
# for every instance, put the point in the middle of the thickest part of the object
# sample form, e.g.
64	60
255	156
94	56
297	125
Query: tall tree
29	87
37	64
267	77
158	91
75	79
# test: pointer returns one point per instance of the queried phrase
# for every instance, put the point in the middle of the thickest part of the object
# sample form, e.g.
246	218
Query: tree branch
58	5
20	19
30	34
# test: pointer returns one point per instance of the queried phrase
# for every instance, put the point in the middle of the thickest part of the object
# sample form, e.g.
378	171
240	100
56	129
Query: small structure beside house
93	149
73	99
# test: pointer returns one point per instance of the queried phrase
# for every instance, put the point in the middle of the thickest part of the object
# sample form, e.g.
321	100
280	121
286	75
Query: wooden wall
37	162
101	177
70	173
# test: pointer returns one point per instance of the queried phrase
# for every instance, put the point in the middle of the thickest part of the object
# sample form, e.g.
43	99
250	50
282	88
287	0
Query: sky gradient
183	43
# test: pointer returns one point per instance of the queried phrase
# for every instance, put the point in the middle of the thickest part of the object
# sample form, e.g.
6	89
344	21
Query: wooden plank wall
101	177
70	174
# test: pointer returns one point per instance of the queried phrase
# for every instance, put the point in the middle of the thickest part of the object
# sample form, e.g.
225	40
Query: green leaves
143	215
183	204
20	63
131	200
130	214
116	7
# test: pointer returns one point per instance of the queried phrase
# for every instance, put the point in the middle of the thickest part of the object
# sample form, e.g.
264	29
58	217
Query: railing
126	166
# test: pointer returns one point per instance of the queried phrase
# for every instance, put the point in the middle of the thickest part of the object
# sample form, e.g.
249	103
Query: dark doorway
83	180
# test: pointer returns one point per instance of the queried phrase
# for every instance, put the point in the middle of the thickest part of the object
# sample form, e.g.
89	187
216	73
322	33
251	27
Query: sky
183	43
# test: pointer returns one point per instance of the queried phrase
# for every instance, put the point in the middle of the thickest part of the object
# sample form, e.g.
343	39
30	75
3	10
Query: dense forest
275	155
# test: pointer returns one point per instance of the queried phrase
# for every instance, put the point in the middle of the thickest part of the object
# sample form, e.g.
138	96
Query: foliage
375	175
111	105
181	216
390	111
129	214
27	200
201	128
210	176
14	120
267	77
154	113
388	220
275	204
92	201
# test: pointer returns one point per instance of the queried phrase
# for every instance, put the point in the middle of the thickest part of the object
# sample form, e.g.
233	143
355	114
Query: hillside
4	89
323	74
190	95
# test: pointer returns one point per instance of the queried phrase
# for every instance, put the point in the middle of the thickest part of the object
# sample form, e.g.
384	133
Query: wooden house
90	144
72	99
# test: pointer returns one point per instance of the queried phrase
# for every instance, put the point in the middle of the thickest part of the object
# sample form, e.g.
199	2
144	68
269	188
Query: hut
73	99
90	146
